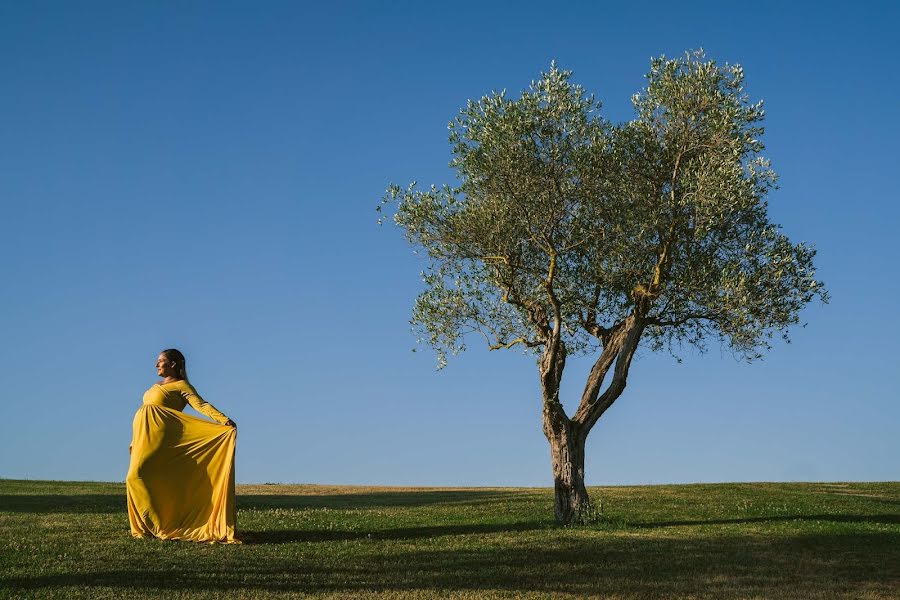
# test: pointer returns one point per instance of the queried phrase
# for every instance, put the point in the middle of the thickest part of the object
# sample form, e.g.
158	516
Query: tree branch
589	322
533	313
681	321
554	302
627	336
501	345
611	347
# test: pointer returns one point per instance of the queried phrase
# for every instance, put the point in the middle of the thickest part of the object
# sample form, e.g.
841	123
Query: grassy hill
760	540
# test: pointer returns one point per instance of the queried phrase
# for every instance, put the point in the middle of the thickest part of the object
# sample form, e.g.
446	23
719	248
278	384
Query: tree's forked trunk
567	436
567	454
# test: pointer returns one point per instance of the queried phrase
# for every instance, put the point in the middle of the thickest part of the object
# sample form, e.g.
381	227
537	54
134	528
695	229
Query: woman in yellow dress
180	483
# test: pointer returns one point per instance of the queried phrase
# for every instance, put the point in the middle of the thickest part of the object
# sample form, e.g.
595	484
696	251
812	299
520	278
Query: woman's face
164	366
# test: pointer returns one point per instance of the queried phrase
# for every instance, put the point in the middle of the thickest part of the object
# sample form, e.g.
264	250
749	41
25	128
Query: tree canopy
561	219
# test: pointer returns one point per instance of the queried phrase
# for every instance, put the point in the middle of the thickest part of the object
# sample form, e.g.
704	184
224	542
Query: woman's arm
203	407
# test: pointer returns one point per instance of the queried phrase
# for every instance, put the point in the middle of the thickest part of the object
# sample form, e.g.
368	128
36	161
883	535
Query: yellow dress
180	483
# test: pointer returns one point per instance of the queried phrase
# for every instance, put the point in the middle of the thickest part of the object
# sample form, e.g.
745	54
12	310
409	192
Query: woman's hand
231	423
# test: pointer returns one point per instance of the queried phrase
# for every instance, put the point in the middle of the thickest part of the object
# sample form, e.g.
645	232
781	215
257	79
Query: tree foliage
563	225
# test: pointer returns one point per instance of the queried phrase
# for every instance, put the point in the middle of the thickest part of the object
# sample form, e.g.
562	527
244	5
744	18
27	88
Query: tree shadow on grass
63	503
383	499
112	503
284	536
728	567
889	519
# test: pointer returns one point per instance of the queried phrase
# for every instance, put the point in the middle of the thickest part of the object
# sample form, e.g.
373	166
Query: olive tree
569	235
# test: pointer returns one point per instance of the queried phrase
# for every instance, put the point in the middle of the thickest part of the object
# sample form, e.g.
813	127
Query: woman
180	483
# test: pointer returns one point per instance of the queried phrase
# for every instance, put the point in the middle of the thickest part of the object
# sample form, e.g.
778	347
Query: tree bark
567	454
565	438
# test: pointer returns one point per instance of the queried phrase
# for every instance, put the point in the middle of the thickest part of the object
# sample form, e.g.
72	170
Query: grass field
71	540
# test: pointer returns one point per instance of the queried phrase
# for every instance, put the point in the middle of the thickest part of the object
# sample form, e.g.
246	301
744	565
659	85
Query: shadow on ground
726	567
111	503
887	519
62	503
639	560
282	536
381	499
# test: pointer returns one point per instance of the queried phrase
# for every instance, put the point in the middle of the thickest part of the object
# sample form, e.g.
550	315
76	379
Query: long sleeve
203	407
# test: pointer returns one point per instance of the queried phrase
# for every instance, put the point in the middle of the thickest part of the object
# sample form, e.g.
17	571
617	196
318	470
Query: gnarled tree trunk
567	455
567	436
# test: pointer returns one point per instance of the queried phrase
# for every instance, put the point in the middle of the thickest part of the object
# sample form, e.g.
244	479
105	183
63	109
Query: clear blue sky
204	175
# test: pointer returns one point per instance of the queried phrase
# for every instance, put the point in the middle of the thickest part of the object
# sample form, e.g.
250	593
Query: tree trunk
567	436
567	455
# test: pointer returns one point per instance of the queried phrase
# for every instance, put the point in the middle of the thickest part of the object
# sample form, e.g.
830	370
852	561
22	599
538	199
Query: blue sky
204	175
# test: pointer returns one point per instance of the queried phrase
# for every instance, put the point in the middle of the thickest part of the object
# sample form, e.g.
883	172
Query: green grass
71	540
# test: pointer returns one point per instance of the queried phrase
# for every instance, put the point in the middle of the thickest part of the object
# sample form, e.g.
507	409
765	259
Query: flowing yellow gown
180	483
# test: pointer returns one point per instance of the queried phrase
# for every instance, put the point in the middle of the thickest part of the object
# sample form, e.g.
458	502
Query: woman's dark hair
176	357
